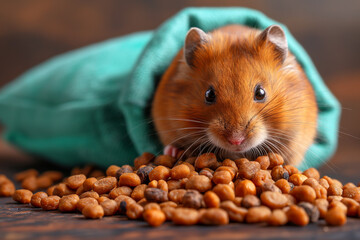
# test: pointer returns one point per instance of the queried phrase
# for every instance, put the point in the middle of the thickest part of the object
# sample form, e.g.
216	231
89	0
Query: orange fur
234	61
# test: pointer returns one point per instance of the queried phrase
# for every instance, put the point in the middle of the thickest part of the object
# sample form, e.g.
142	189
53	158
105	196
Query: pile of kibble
195	191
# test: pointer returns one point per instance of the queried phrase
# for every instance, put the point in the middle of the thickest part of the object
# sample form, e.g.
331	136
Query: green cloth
92	105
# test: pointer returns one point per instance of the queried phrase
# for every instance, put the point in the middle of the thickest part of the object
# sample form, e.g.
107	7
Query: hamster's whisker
145	121
292	122
273	108
263	150
187	149
207	144
255	151
180	129
315	124
184	136
322	105
278	146
181	119
216	150
198	147
303	146
281	137
262	147
269	129
271	147
334	168
183	129
222	152
267	147
193	134
266	115
287	149
212	147
204	147
252	152
284	137
187	135
261	110
348	135
282	152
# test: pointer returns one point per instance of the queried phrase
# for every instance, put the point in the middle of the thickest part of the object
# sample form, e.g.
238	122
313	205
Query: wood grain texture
18	221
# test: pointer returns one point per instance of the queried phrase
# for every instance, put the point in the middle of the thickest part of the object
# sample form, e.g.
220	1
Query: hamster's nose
236	140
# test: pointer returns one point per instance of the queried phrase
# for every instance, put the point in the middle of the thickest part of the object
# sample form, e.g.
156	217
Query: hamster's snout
239	136
236	139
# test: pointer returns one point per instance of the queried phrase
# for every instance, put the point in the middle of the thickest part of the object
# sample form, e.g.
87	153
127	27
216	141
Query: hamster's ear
276	35
195	37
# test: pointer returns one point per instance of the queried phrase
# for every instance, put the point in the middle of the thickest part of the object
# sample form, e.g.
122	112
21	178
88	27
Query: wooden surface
24	222
32	31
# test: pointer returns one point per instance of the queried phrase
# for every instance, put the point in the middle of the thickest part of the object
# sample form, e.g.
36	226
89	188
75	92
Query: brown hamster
237	92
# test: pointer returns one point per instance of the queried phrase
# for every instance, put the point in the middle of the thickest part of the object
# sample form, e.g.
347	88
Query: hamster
236	92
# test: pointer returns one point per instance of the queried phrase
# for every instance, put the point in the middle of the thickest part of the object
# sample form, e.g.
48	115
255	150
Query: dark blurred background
31	31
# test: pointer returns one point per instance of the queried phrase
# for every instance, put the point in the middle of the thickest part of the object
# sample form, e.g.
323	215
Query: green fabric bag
92	105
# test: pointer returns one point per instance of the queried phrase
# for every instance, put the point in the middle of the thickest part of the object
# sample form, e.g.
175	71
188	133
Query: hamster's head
229	91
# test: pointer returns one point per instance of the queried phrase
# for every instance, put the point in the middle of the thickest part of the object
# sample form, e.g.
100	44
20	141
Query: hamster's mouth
242	148
245	146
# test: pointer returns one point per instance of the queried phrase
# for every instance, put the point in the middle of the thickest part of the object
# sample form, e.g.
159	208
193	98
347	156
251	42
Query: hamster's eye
259	94
210	96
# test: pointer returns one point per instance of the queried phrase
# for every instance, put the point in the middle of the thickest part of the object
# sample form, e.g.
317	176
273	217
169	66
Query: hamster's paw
171	150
